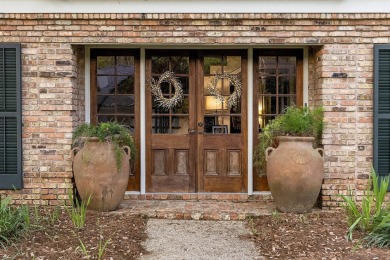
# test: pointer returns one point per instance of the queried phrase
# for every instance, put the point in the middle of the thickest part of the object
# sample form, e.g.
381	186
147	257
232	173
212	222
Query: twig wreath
234	98
163	102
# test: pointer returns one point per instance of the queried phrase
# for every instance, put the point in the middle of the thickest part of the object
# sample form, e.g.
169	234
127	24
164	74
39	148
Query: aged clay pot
295	172
96	174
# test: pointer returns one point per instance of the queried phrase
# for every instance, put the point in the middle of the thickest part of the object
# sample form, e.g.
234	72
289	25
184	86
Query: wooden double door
200	144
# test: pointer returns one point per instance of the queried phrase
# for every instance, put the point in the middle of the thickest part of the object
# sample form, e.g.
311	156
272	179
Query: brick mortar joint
196	16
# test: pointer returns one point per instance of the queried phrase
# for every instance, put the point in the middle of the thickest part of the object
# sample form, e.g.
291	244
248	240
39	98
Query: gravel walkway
191	239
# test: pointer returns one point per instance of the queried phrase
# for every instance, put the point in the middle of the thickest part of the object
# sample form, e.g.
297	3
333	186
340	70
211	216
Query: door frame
244	108
148	111
198	115
142	48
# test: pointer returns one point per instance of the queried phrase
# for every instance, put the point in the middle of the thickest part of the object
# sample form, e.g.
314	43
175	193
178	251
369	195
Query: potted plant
101	161
294	168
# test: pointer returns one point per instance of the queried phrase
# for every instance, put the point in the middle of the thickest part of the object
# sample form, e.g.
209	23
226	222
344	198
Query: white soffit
194	6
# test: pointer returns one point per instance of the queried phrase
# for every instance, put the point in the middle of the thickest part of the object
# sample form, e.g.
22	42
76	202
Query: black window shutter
382	110
10	117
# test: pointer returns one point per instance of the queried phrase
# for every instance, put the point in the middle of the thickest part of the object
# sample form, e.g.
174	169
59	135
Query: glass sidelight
115	94
277	86
278	83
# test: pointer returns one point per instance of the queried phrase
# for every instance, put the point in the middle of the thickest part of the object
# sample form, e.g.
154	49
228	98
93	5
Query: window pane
285	102
287	65
105	84
125	104
268	85
287	85
125	84
127	121
125	65
106	118
263	121
267	65
105	65
267	105
106	104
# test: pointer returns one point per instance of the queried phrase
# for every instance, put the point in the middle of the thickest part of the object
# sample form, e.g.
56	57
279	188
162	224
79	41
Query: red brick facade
340	79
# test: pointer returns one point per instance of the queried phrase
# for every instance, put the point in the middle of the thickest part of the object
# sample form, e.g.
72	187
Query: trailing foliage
371	216
113	132
295	121
14	221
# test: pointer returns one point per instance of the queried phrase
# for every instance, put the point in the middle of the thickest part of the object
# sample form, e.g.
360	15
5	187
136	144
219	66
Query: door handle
191	131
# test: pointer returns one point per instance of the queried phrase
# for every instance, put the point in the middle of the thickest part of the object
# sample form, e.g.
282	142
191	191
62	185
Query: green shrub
295	121
113	132
14	221
371	216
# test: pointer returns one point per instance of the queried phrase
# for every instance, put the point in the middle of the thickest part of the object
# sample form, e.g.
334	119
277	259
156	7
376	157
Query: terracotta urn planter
295	173
96	174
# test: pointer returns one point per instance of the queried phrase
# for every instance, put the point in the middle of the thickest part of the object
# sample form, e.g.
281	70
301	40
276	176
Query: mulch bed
124	233
317	235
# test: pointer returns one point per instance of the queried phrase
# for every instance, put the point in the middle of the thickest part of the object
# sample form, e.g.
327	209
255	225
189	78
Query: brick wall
340	79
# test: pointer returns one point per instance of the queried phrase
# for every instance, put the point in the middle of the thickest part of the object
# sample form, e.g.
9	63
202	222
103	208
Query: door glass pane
183	108
160	124
180	125
218	117
235	124
180	64
174	120
160	65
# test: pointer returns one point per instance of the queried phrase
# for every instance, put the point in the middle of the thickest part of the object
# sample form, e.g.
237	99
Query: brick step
205	209
265	197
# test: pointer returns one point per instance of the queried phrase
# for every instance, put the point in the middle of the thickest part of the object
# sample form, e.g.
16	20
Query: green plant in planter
295	121
113	132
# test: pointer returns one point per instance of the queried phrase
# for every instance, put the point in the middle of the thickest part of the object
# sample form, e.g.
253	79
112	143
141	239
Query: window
10	117
382	110
278	83
115	94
